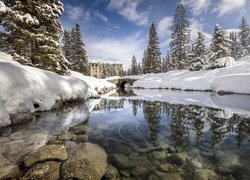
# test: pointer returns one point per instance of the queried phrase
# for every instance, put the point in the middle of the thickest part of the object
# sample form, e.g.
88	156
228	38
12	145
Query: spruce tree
144	61
219	46
236	49
180	49
78	59
67	43
134	66
34	30
200	59
244	36
152	63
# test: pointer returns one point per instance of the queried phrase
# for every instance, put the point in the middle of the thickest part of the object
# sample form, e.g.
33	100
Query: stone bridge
121	81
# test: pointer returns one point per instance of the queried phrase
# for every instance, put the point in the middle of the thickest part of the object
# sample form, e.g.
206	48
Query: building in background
104	70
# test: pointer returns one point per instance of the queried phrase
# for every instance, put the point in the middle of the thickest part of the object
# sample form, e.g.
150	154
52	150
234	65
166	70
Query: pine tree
78	58
200	59
236	49
180	40
34	30
219	46
67	43
152	62
144	61
134	66
244	36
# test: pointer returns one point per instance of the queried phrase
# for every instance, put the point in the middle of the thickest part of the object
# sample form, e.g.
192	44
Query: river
148	134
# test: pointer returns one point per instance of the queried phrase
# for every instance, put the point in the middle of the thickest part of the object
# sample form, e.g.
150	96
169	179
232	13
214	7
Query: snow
29	89
3	8
234	78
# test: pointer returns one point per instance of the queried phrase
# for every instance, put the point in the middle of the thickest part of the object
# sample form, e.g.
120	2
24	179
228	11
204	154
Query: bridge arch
122	84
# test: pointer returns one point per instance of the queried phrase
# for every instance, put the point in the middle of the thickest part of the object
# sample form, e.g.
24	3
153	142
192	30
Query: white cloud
228	6
74	12
164	26
78	12
129	10
116	49
197	6
100	16
195	27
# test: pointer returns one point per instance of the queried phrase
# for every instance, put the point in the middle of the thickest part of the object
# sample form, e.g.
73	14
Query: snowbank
28	89
234	78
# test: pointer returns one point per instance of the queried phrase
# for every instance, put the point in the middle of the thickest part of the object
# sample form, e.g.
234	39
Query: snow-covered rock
233	78
29	89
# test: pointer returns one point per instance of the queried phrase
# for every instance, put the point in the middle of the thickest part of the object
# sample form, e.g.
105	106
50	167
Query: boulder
122	161
178	158
47	152
47	170
87	161
204	174
112	173
7	170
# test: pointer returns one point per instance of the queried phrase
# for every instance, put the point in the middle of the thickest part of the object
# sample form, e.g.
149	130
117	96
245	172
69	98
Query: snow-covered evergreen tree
236	49
152	58
180	40
78	56
244	36
33	30
67	43
219	46
134	66
200	59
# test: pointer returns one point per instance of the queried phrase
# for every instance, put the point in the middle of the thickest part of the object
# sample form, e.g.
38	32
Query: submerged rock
204	174
87	161
196	164
112	173
178	158
122	161
47	170
7	170
159	155
47	152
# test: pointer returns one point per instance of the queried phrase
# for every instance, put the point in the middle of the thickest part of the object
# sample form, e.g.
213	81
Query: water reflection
215	138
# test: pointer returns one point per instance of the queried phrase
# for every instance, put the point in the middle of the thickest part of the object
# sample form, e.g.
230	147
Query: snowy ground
28	89
234	78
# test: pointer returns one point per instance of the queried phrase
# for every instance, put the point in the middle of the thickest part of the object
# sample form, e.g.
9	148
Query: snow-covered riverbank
29	89
234	78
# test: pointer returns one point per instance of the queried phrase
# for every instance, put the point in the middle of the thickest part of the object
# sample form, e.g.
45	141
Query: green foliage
152	57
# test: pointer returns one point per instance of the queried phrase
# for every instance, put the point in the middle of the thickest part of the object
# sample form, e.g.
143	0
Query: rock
159	155
67	136
168	168
170	176
4	139
7	170
47	170
112	173
122	149
204	174
79	129
171	149
196	164
86	161
81	138
20	135
178	158
46	152
153	177
125	173
139	171
121	161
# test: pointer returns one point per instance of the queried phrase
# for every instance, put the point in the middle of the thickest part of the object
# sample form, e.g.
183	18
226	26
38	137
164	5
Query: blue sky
115	30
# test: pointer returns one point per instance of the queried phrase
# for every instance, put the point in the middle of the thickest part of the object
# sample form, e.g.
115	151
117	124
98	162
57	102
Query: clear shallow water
145	131
151	135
